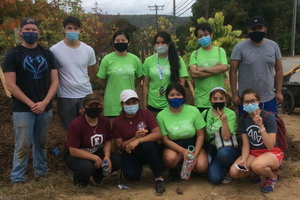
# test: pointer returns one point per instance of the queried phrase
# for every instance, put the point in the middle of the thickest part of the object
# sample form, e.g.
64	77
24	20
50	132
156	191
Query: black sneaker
159	188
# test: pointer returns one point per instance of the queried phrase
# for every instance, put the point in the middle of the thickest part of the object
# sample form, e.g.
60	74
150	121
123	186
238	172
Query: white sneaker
227	178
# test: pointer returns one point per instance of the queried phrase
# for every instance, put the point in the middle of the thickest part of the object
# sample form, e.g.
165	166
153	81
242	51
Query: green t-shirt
150	69
203	86
120	72
182	125
213	124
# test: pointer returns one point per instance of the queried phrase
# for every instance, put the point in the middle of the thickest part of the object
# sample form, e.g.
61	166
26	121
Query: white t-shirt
73	64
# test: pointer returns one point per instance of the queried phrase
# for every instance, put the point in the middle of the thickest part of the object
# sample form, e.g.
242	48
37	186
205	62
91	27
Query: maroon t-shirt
126	128
83	136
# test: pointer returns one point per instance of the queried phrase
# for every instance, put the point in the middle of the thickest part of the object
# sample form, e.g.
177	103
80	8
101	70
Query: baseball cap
29	20
256	21
91	98
128	94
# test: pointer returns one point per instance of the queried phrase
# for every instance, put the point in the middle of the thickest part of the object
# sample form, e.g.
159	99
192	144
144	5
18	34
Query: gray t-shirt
257	67
247	126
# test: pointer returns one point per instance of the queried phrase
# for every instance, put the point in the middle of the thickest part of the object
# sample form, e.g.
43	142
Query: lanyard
161	68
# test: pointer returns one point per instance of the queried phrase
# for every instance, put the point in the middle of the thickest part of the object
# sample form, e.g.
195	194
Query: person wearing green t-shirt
160	69
181	126
219	118
207	65
118	71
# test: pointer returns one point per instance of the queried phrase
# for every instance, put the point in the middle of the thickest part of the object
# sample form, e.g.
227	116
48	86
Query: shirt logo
96	140
254	135
35	65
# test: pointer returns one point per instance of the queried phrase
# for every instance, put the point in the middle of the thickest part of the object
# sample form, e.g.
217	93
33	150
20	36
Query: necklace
94	129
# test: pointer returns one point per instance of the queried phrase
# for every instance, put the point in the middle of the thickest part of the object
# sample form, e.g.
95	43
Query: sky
138	7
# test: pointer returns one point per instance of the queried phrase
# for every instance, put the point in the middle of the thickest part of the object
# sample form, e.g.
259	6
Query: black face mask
219	105
257	36
92	112
121	46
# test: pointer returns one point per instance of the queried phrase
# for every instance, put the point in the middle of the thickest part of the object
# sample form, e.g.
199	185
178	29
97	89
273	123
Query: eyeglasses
252	101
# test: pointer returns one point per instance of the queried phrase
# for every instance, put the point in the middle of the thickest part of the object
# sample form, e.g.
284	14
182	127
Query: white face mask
131	109
161	49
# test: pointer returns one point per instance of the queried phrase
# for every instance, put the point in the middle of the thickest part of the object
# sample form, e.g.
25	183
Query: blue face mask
30	37
250	108
73	36
204	41
132	109
176	103
161	49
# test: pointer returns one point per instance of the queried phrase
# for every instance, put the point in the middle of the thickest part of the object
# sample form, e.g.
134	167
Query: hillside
141	21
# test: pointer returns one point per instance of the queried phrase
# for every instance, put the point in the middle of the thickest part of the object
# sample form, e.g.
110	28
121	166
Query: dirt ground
196	188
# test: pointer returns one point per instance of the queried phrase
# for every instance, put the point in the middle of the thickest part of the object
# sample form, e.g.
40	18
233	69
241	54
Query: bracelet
262	130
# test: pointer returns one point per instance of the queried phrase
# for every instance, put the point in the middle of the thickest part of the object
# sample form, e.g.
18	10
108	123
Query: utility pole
156	8
174	17
206	7
294	27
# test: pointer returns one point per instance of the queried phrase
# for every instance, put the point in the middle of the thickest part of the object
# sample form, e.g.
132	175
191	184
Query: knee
170	161
214	178
235	173
257	167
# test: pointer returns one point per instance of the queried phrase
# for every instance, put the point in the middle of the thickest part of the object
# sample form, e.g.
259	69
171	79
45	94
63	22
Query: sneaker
268	185
227	178
256	178
159	188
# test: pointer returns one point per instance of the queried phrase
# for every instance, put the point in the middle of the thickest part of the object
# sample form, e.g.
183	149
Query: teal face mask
132	109
250	108
73	36
204	41
161	49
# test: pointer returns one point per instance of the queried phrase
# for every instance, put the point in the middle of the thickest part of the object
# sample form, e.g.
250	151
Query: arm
197	72
182	81
107	152
103	83
233	81
39	107
145	91
78	153
279	80
199	141
217	69
92	72
226	133
138	81
10	79
245	150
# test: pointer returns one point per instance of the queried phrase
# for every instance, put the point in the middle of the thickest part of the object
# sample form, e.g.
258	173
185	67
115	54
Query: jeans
30	129
132	164
221	162
83	169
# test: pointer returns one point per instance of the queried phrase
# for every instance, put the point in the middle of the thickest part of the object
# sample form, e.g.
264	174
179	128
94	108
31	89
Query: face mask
121	46
176	103
161	49
219	105
30	37
132	109
250	108
92	112
205	41
257	36
73	36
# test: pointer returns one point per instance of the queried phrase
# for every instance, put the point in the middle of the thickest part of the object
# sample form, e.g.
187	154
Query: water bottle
105	168
188	165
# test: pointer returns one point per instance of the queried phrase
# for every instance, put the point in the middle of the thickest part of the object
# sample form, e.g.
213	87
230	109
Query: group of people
158	129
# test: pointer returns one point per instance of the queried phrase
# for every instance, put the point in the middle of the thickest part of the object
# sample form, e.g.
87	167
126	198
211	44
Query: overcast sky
137	7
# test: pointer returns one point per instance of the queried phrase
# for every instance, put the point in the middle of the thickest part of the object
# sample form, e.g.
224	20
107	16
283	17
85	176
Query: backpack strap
205	117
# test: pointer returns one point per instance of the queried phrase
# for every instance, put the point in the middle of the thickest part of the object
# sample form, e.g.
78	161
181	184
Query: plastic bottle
187	167
105	168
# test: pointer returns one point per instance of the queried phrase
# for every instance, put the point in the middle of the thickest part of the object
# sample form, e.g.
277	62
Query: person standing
76	67
118	71
207	66
31	76
253	64
160	70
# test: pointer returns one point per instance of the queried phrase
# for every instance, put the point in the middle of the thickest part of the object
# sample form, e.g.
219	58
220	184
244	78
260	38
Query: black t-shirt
33	73
247	126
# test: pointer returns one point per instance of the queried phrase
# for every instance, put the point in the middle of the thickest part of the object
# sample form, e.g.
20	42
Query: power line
178	7
189	7
156	8
166	7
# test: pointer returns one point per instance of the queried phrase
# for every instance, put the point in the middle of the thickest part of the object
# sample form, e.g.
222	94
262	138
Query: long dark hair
172	55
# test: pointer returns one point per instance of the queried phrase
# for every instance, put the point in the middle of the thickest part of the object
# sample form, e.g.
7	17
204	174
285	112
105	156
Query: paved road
288	64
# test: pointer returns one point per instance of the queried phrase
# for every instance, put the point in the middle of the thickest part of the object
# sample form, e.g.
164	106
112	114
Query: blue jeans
221	162
270	106
30	129
132	164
